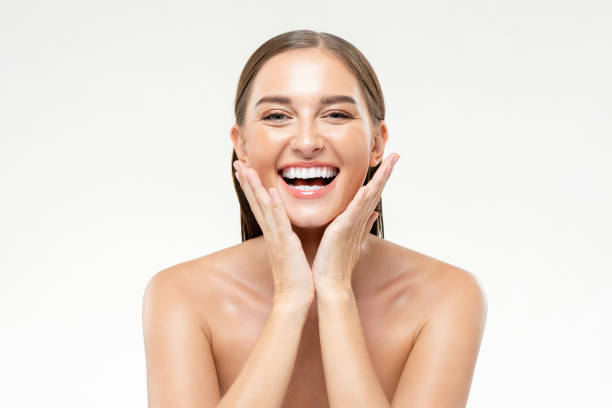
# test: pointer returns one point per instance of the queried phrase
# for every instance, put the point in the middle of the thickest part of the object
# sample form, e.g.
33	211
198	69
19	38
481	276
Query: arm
264	379
349	374
439	369
180	366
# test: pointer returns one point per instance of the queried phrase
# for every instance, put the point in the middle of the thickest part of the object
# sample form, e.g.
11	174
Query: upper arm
180	366
438	372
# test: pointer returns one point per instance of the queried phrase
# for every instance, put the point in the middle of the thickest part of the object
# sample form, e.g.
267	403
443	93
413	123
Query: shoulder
178	313
172	295
199	287
190	290
460	293
438	285
452	307
454	299
453	286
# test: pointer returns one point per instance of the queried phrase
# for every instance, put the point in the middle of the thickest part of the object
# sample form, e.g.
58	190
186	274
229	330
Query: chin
309	219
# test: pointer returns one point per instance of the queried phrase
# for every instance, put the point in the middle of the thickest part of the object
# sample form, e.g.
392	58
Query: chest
388	330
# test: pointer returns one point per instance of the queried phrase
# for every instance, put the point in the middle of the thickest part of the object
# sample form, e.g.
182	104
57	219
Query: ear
239	142
378	143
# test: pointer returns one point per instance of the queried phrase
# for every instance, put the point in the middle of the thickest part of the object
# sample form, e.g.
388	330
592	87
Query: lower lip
297	193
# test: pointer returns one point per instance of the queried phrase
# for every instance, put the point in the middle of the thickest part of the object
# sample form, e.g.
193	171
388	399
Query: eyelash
344	115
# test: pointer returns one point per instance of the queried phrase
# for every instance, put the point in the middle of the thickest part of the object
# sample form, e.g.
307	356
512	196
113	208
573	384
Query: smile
303	181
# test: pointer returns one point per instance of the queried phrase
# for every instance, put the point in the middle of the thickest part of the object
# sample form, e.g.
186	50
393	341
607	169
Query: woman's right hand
292	276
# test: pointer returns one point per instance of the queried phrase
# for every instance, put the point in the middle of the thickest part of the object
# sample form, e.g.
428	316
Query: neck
310	238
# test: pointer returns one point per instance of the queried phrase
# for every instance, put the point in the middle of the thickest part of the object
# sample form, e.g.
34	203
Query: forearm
349	374
265	376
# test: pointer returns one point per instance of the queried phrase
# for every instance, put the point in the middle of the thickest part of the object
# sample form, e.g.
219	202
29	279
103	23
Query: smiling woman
314	308
348	62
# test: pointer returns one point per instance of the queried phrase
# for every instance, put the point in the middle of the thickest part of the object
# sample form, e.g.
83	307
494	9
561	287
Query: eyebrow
326	100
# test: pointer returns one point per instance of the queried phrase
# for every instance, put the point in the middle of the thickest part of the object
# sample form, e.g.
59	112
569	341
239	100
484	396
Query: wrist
292	301
334	291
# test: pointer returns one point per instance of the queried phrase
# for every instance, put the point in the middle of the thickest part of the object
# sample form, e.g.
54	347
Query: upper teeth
309	172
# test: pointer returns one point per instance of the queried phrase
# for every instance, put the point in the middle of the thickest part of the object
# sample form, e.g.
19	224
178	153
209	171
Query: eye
339	115
278	116
274	116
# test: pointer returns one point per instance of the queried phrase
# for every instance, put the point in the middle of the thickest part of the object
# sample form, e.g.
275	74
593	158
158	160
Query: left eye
341	115
275	116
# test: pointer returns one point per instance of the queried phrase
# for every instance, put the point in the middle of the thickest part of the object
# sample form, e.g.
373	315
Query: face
315	149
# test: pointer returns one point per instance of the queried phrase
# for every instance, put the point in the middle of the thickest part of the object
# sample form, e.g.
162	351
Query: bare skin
317	312
228	297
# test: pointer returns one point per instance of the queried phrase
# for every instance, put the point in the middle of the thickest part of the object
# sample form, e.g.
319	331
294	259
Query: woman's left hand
341	243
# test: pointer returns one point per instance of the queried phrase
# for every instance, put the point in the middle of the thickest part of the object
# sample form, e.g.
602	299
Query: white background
115	164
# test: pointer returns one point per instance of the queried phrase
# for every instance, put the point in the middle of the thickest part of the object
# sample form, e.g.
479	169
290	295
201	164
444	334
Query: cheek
355	156
263	143
354	151
263	150
352	140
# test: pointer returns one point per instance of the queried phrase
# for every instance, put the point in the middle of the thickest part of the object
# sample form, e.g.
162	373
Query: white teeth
308	188
309	172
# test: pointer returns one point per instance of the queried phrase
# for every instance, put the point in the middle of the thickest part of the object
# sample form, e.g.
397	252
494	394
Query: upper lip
308	164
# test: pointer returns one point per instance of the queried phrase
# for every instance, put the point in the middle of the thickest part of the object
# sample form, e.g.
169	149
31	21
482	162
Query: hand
342	240
290	270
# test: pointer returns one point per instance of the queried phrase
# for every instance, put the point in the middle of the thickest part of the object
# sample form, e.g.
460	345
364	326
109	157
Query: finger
247	189
368	225
380	179
243	177
370	192
383	173
280	212
373	190
259	190
355	210
264	200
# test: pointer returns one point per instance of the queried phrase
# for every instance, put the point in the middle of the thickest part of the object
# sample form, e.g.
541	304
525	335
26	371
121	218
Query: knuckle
363	194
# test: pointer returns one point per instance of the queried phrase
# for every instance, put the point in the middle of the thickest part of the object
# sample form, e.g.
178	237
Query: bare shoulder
451	307
178	309
436	284
455	288
194	287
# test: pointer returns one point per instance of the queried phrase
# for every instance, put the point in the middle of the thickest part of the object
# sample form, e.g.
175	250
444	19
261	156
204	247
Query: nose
307	141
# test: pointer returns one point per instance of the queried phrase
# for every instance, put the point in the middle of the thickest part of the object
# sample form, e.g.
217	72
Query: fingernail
236	166
395	158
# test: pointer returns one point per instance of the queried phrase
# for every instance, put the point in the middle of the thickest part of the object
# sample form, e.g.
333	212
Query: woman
314	308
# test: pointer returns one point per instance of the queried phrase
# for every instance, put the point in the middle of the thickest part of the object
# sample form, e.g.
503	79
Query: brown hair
354	60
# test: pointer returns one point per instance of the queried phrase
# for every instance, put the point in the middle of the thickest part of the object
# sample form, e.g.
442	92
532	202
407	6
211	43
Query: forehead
305	75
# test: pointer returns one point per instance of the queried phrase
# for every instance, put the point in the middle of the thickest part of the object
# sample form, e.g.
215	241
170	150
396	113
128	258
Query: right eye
274	116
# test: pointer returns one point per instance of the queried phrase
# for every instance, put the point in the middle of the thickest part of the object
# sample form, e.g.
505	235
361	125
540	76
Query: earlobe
238	142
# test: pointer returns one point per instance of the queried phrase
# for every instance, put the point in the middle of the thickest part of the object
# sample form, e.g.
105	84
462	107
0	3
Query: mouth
304	181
